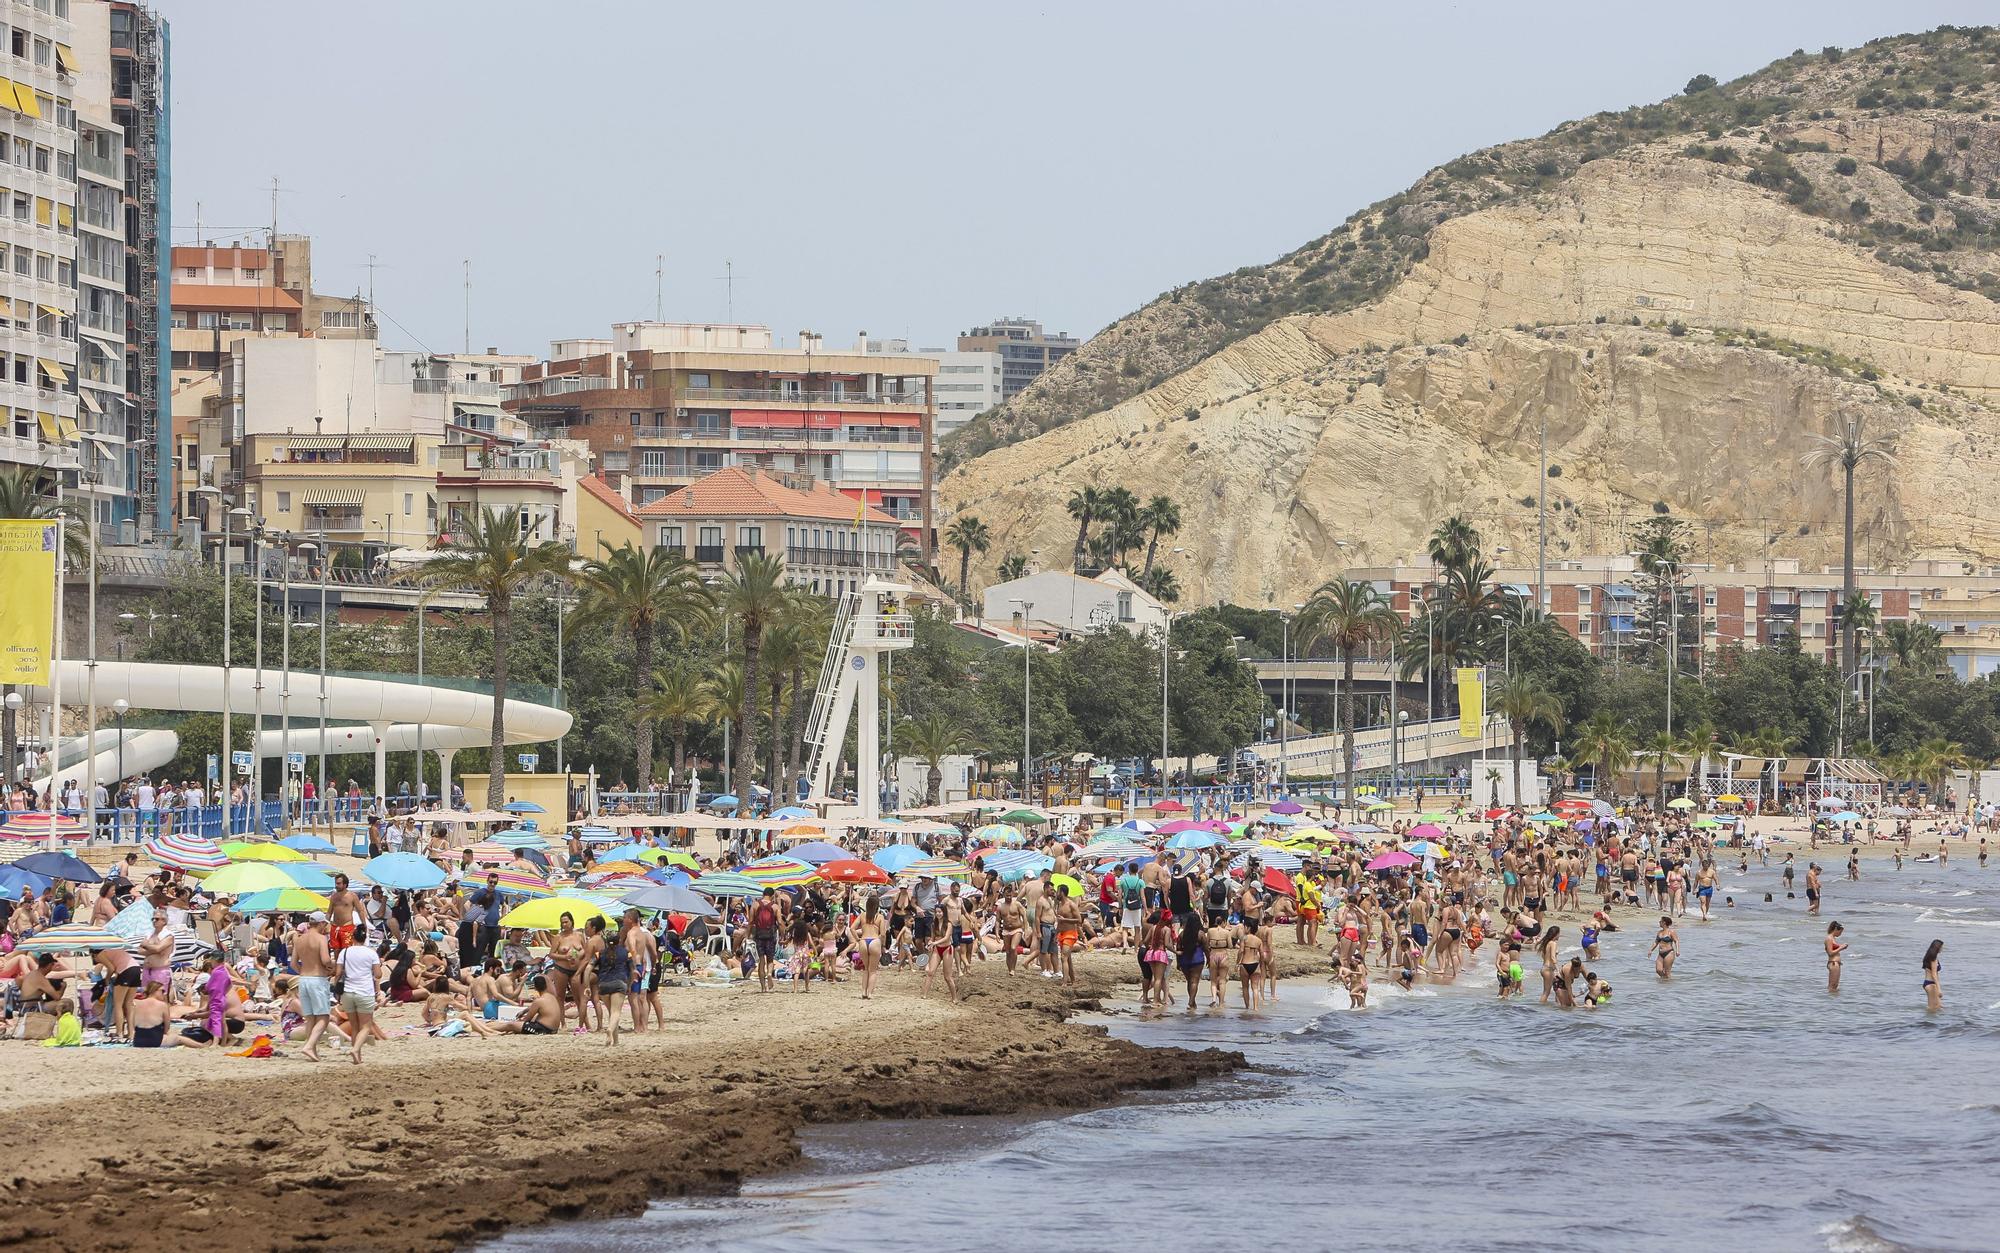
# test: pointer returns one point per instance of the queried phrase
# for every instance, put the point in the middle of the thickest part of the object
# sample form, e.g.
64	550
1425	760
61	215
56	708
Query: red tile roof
607	494
736	492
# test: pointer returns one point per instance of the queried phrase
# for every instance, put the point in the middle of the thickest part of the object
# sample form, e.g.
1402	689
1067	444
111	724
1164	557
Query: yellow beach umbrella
545	914
260	850
1069	886
1729	798
244	877
1680	802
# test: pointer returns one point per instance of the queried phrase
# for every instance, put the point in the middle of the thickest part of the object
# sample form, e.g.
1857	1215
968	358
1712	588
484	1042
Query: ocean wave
1941	917
1857	1235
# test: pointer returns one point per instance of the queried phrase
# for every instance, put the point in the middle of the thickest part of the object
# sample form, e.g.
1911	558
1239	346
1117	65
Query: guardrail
774	395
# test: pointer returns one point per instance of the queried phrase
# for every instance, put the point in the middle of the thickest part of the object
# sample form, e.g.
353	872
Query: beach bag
1134	897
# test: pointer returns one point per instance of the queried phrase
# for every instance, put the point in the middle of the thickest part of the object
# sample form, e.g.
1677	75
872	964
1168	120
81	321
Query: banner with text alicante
27	605
1471	702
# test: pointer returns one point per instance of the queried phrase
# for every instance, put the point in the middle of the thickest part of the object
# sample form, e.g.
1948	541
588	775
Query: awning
54	312
69	429
50	430
108	441
380	443
8	99
333	496
26	96
67	59
314	443
484	411
51	368
89	401
65	216
45	211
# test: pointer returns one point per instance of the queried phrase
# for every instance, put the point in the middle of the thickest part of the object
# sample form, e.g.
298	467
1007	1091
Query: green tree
493	558
753	597
968	535
644	594
1521	701
1085	505
1346	617
1607	746
1216	702
679	698
1012	567
1914	645
1849	447
1160	516
933	736
1120	508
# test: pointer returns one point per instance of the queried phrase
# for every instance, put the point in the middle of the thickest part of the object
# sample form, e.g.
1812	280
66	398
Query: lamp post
313	548
257	734
1027	688
13	703
285	689
118	711
1166	637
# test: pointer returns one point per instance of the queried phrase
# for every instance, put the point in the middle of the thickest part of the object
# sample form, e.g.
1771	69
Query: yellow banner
28	608
1471	701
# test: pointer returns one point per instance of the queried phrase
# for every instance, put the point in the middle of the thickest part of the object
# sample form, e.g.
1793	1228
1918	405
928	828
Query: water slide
356	710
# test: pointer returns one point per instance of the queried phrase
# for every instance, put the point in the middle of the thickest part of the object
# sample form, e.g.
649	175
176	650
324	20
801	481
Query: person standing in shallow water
1665	944
1834	948
1934	976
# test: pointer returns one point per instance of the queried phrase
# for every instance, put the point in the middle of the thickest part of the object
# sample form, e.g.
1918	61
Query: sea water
1737	1104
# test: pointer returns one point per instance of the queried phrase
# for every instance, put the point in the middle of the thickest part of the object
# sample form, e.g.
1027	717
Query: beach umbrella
676	857
1016	864
896	856
1117	850
1706	822
43	826
1426	831
1545	816
615	883
997	833
260	850
1729	798
71	937
1680	802
1179	825
726	883
534	857
521	883
793	811
309	875
403	871
1364	828
778	872
624	852
1278	881
1135	826
1848	816
620	866
186	851
1029	816
528	839
724	802
1425	848
1571	802
1602	809
1280	820
245	877
1277	857
937	868
56	864
816	852
852	870
1286	805
1376	807
280	901
308	844
667	899
13	879
664	874
1391	860
1066	885
545	913
490	853
522	807
1170	807
1194	839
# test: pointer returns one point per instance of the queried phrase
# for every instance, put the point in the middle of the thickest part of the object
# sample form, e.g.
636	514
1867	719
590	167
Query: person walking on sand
361	973
614	977
871	934
764	933
1934	976
1069	933
1252	950
314	960
1834	948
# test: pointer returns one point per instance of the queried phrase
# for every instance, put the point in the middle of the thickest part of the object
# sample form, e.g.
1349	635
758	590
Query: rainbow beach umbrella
186	852
779	872
43	826
71	937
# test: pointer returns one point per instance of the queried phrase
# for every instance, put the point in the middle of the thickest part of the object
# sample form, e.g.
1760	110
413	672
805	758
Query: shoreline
436	1144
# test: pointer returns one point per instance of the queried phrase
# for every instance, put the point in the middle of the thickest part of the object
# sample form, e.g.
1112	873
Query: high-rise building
140	47
968	383
1024	350
663	404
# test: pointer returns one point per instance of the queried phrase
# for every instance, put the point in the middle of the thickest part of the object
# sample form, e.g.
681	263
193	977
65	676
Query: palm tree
1453	542
1085	505
21	497
1607	746
679	698
1560	768
753	597
1937	758
1521	700
1914	645
1347	616
1161	516
782	646
1121	509
1847	447
493	557
644	593
1700	741
933	736
1160	584
1012	567
968	535
724	691
1660	747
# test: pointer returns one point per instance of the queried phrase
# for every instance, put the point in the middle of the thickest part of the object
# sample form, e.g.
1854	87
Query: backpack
1218	892
1134	898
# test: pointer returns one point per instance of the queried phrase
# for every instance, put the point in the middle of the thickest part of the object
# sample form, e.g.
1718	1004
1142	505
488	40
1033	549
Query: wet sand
435	1143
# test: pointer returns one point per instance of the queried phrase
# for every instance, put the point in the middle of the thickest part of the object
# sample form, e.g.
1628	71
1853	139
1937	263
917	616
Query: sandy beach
433	1143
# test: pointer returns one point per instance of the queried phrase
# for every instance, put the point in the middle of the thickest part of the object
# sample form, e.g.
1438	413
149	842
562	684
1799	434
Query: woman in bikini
1190	957
565	957
872	932
1834	948
1666	942
1934	976
1251	953
1218	941
1547	947
941	958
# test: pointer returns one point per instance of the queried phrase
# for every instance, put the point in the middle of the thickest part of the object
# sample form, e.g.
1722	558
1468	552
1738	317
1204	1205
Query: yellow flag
27	611
1471	701
860	508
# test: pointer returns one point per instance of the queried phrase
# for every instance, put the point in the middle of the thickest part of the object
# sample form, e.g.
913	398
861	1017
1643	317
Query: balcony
708	553
559	385
784	396
801	555
454	387
747	550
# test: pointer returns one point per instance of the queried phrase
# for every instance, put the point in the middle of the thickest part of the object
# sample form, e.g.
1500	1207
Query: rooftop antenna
729	288
371	282
659	285
468	306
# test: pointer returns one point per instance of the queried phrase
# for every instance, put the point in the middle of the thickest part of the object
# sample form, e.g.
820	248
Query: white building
1067	603
968	383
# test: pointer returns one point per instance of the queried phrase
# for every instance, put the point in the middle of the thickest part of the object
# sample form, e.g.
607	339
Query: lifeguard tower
869	623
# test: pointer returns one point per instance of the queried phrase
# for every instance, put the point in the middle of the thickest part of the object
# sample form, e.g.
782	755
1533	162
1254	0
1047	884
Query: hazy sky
907	169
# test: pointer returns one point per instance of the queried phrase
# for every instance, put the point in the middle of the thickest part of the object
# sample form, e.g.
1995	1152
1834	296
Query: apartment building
664	404
968	383
830	541
1597	599
1024	350
138	46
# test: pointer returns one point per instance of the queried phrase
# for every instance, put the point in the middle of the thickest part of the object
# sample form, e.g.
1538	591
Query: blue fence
220	822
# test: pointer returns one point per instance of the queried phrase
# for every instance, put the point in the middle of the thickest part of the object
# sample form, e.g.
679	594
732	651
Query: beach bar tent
1849	780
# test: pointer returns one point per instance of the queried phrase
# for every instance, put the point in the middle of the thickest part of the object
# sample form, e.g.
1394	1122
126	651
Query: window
707	461
749	537
277	321
1708	600
348	319
20	43
409	503
708	423
670	537
698	380
284	502
191	271
252	276
1583	625
1124	606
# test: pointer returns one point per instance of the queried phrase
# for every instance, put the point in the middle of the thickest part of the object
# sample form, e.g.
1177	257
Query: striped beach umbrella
1274	858
521	883
1016	864
1116	850
186	851
490	853
998	833
725	883
937	868
42	827
71	937
779	872
280	901
617	884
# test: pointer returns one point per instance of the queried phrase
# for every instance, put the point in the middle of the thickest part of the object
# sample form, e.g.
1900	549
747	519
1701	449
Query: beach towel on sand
259	1047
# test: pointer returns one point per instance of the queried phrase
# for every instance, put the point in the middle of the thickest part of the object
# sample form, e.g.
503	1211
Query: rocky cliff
1684	301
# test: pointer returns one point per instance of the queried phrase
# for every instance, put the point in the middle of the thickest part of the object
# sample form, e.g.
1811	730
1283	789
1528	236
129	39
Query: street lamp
714	581
118	711
257	734
1166	636
13	703
1027	686
310	548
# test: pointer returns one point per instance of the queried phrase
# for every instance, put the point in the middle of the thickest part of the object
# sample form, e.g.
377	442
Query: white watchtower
870	622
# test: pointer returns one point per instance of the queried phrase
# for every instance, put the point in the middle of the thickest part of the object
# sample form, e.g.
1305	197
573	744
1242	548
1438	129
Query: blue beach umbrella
13	879
671	899
309	875
402	871
895	857
819	852
308	844
58	865
523	807
670	876
724	801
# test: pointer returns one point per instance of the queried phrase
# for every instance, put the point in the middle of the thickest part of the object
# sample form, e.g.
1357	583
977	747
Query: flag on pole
1471	701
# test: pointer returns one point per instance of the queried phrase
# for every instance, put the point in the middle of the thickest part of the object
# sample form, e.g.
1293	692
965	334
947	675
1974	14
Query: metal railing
803	555
558	385
708	552
779	395
461	387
